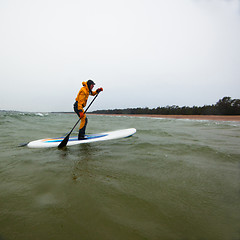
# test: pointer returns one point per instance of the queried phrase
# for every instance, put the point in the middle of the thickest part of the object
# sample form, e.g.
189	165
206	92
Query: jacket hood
86	86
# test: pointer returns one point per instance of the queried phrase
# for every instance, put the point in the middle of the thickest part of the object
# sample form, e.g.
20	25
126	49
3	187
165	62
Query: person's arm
97	91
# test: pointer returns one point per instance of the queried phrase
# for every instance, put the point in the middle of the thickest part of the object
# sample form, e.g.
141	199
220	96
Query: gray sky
144	53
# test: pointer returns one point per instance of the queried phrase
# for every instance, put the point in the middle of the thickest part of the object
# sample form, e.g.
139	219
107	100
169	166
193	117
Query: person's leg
82	128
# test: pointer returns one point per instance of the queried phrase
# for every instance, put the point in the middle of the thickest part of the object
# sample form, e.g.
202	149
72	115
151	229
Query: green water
173	180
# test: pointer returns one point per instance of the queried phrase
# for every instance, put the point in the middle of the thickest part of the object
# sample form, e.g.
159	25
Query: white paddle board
54	142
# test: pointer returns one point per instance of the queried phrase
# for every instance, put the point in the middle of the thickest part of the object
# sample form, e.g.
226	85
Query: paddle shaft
65	140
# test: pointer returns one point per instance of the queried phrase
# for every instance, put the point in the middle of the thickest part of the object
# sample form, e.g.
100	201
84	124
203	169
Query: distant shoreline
193	117
232	118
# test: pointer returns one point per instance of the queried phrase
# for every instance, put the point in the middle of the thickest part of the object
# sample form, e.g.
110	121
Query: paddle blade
64	142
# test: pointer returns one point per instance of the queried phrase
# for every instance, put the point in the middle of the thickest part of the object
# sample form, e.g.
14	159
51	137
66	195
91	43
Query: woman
81	101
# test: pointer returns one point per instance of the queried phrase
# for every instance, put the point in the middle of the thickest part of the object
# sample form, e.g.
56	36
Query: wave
17	113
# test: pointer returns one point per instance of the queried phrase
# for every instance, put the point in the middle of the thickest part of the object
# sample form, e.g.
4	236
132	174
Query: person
81	101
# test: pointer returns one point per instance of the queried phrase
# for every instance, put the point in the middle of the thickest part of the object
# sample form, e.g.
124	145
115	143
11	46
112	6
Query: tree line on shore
225	106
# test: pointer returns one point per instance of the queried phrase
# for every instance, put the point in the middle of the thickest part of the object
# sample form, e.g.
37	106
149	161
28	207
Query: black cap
90	82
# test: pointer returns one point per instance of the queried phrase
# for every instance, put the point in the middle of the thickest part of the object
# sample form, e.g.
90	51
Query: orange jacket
82	96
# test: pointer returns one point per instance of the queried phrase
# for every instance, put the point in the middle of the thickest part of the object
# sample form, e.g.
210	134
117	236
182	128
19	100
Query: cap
90	82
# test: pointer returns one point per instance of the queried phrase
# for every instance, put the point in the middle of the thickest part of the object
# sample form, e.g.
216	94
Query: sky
144	53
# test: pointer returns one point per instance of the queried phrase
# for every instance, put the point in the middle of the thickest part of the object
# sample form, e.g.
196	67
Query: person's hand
81	114
99	90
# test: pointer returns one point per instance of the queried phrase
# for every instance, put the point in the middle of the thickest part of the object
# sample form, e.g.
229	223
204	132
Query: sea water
172	180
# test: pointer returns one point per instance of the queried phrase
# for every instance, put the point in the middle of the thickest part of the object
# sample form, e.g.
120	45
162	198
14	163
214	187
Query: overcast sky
144	53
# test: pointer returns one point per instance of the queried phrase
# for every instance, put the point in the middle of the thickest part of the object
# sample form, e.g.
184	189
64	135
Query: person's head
90	84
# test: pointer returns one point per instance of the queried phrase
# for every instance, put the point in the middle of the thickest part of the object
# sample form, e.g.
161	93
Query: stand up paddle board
54	142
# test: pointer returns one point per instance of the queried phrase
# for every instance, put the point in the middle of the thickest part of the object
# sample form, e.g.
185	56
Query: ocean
172	180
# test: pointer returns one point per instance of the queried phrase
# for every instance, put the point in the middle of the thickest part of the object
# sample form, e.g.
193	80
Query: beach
192	117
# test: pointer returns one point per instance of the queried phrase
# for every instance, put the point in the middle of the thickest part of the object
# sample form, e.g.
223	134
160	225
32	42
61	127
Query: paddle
65	140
